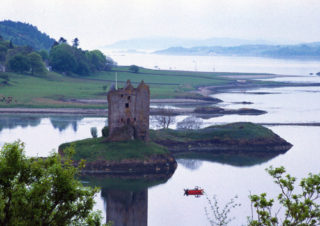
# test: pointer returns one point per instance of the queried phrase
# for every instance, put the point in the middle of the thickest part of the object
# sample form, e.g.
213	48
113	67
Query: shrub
94	132
134	69
105	131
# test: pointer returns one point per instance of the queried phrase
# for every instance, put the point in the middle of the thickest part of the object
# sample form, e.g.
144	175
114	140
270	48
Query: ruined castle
128	112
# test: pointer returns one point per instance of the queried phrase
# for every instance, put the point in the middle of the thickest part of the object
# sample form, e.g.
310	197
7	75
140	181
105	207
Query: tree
55	43
217	216
3	52
134	69
11	44
44	55
97	59
83	64
94	132
165	118
42	191
62	58
36	64
190	123
299	208
18	63
75	43
62	40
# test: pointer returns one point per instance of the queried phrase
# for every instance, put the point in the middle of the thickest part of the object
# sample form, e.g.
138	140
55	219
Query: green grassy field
56	90
93	149
232	131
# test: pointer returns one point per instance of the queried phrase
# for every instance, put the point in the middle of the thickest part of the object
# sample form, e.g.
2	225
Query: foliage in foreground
35	191
299	208
217	216
296	208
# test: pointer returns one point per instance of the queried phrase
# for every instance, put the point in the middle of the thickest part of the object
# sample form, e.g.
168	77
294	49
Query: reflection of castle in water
126	208
126	196
62	123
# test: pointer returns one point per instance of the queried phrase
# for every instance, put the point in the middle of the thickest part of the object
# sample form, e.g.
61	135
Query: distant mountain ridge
307	50
24	34
156	43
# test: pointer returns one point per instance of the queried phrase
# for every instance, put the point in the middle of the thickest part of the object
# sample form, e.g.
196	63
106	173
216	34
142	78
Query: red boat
196	191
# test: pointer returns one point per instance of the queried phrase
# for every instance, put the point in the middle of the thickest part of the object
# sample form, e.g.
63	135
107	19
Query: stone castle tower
128	112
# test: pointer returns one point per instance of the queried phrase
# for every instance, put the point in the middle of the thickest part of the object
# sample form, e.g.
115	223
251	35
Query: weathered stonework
2	68
128	113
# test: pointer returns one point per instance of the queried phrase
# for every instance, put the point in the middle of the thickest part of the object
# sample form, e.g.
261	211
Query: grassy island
126	157
234	137
93	149
138	157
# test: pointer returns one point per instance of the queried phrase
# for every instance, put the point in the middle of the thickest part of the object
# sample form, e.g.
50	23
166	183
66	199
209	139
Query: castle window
128	97
122	120
135	119
128	121
127	105
121	95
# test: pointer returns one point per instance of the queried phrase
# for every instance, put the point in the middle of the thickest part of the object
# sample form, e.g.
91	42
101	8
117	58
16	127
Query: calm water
162	202
224	176
218	63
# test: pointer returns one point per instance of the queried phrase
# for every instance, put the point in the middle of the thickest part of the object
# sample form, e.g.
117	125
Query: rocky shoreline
155	165
216	146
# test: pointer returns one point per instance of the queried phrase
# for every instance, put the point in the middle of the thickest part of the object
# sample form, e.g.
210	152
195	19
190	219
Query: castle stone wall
128	113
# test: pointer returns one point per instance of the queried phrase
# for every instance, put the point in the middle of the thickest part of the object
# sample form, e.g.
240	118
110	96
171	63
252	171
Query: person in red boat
197	191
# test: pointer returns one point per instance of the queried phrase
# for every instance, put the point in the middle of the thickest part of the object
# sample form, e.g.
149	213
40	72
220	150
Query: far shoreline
203	99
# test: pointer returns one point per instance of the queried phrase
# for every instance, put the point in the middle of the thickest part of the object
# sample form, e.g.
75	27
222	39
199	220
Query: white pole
116	80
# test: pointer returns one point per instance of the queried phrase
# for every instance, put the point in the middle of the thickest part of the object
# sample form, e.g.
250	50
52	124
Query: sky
101	22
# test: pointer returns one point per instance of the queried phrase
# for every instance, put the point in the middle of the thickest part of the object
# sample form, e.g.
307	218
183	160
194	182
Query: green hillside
23	34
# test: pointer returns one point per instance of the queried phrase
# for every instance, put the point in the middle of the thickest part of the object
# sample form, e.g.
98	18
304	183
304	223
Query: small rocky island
129	147
231	138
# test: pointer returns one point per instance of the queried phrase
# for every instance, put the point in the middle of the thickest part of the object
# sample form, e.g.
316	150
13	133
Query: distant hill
307	50
156	43
24	34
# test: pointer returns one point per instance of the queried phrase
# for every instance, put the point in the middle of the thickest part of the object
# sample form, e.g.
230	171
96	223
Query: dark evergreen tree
11	44
75	42
62	40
